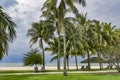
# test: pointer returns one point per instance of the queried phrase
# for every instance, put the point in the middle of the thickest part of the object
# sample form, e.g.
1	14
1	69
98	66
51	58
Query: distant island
93	60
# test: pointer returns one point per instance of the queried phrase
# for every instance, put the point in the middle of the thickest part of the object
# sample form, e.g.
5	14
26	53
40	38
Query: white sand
47	68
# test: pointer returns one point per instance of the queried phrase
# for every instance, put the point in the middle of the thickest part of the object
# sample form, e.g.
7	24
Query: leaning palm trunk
88	56
43	67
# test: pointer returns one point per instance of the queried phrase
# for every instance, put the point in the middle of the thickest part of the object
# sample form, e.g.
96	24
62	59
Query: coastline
19	66
47	68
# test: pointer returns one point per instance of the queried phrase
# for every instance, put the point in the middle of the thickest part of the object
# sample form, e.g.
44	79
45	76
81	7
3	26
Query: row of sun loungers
86	67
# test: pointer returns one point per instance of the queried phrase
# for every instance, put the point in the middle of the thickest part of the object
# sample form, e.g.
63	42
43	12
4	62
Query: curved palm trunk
43	67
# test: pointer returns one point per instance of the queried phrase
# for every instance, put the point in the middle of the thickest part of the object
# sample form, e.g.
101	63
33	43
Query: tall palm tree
53	17
7	32
40	31
85	35
72	37
62	7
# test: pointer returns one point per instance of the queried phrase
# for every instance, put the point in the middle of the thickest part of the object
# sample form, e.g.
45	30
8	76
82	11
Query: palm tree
116	49
32	57
41	31
71	38
53	17
103	36
54	50
7	32
111	51
85	36
62	7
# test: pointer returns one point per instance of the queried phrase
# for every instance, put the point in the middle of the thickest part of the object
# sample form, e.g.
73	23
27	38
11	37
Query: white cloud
27	11
103	10
24	13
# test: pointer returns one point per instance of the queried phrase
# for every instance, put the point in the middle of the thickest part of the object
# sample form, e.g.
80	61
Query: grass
20	71
30	71
79	70
61	77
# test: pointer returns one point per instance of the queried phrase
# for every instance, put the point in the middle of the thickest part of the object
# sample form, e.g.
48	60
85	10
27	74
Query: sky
25	12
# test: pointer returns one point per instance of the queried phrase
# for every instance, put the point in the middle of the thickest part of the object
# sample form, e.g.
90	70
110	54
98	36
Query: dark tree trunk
65	54
43	67
76	62
35	68
100	61
68	62
88	56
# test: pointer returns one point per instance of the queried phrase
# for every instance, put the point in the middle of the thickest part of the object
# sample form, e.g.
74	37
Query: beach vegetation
74	35
31	58
39	33
62	6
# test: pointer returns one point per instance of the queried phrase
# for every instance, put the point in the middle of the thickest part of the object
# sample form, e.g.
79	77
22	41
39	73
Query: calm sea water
49	64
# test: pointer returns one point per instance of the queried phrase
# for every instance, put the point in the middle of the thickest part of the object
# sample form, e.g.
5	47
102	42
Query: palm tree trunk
36	68
88	56
68	62
62	14
76	62
43	67
65	54
58	60
100	62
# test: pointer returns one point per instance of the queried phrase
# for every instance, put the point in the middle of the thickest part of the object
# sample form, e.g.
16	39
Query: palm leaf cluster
41	32
32	58
7	32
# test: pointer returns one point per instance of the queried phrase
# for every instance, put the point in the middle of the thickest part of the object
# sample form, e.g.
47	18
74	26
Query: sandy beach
47	68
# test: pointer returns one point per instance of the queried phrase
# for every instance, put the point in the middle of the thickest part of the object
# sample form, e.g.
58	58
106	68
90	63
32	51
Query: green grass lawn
31	71
61	77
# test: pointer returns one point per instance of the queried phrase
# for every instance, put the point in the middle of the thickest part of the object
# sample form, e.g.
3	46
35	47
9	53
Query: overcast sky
25	12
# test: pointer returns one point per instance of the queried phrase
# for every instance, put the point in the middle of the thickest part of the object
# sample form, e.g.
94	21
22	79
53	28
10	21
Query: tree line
67	35
74	35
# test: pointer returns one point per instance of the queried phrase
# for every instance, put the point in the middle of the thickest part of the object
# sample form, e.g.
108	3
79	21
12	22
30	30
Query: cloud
104	10
25	12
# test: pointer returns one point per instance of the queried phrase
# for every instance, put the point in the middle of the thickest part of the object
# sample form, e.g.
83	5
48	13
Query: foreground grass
61	77
31	71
